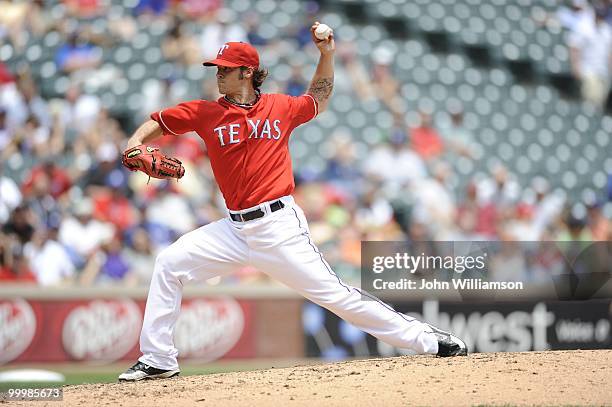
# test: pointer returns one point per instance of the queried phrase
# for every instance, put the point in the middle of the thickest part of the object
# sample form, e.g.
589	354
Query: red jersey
426	142
248	147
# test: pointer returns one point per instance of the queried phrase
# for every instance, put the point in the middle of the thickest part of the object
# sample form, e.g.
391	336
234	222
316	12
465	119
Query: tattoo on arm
320	89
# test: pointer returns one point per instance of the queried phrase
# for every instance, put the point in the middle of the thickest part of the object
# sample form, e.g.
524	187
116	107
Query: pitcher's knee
333	299
169	258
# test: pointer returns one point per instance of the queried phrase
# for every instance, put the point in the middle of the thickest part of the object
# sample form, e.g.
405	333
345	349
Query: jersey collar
223	101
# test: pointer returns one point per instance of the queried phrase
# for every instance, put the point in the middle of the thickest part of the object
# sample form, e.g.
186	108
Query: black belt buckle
277	205
257	213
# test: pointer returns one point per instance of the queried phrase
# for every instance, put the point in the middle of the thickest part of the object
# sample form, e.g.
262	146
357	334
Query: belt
256	213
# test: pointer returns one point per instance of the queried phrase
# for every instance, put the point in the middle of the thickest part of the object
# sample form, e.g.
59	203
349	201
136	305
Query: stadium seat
473	52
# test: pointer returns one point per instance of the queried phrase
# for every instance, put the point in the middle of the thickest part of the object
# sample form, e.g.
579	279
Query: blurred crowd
588	26
76	216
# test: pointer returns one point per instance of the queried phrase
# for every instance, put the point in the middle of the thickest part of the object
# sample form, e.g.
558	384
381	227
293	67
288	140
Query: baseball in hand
322	32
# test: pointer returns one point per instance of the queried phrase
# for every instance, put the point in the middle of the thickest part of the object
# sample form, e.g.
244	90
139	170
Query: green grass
81	374
89	377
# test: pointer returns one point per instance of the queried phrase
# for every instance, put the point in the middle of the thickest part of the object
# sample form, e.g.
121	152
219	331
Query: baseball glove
152	162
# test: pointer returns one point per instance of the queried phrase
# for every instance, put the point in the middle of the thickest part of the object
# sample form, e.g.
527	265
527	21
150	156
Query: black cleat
141	371
448	344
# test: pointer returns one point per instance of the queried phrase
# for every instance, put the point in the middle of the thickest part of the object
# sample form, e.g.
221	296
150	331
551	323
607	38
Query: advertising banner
107	330
484	326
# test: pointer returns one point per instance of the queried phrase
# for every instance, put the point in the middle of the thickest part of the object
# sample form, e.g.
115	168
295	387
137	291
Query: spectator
5	135
31	140
48	259
342	170
385	84
58	143
352	74
85	9
105	131
10	196
159	234
546	208
394	162
225	29
608	8
476	220
210	90
296	85
425	140
575	230
571	17
599	226
77	54
434	204
108	267
509	263
20	225
5	75
419	238
374	211
300	32
122	28
11	101
545	260
500	188
313	197
107	168
203	10
19	272
78	111
152	7
82	235
253	24
40	137
111	205
355	194
28	103
181	47
12	22
591	57
568	16
458	138
520	225
55	177
168	201
140	257
158	94
45	208
13	268
38	20
350	245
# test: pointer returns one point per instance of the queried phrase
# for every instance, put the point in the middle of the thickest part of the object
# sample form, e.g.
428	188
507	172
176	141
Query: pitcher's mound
532	378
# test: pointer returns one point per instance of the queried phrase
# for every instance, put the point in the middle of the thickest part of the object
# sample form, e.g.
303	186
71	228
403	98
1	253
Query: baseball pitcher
247	134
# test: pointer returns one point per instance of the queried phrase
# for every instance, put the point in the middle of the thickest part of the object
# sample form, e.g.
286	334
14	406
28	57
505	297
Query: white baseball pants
278	244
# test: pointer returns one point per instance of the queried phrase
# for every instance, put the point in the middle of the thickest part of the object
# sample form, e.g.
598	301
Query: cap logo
223	48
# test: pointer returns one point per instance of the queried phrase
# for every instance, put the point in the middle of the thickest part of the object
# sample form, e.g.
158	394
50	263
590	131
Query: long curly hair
259	76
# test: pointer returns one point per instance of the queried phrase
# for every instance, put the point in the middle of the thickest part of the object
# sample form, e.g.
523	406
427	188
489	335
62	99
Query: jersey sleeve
179	119
303	109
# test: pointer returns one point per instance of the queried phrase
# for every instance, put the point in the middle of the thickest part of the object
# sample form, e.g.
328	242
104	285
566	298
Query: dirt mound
533	378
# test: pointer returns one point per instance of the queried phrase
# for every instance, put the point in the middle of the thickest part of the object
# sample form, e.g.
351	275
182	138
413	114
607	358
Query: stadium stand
494	76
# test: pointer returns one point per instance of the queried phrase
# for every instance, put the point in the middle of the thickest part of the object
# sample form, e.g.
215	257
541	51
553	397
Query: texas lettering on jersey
228	134
248	147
